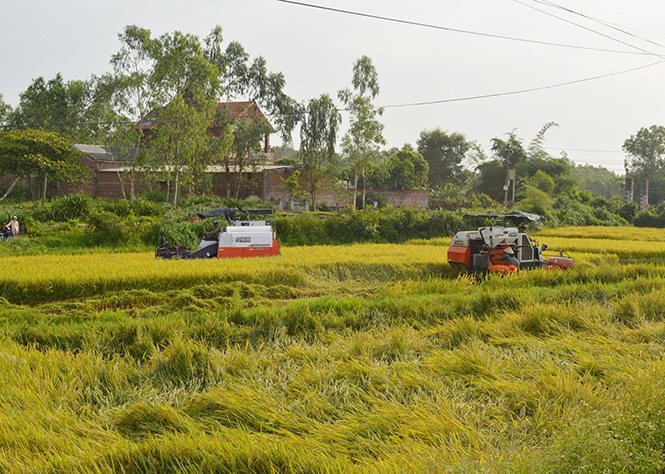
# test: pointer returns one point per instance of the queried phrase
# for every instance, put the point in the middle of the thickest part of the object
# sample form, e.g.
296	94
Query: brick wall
274	191
267	185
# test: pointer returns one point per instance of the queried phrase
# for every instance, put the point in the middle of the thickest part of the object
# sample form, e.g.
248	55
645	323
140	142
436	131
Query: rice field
354	359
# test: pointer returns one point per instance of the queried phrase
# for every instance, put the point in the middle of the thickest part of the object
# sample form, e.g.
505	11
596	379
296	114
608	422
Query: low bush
388	225
106	228
62	209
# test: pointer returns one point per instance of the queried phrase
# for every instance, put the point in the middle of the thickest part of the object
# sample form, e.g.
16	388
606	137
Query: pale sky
315	50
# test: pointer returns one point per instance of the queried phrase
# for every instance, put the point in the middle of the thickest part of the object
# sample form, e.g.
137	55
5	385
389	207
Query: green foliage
480	201
537	200
80	206
287	160
106	228
600	181
444	154
543	182
177	231
533	167
408	170
292	186
26	152
365	133
645	150
388	224
580	209
654	216
318	135
73	106
74	206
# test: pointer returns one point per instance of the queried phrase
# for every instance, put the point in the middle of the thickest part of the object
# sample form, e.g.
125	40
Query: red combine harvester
242	238
484	250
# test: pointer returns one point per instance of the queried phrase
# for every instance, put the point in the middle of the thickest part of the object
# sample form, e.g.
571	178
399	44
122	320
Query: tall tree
444	154
318	135
188	84
408	170
527	161
5	111
248	134
646	151
251	80
365	133
68	108
132	98
646	159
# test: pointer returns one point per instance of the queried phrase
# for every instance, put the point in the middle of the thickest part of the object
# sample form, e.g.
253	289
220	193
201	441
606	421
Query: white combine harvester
241	238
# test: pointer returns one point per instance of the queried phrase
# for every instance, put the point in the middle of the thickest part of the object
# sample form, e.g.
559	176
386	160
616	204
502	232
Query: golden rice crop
390	364
637	234
49	277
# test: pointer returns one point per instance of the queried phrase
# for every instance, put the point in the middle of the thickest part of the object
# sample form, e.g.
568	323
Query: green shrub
106	228
62	209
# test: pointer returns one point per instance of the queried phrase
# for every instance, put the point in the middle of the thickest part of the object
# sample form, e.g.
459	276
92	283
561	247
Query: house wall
274	191
267	185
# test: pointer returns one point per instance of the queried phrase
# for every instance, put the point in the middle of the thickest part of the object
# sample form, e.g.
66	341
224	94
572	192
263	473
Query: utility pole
505	186
511	177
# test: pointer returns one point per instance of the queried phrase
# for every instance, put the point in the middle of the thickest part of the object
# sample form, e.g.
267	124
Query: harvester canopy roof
231	213
516	217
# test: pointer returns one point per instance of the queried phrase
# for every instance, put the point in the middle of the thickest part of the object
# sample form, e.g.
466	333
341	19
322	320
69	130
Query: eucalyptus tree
318	136
188	86
5	111
247	136
365	133
68	108
247	79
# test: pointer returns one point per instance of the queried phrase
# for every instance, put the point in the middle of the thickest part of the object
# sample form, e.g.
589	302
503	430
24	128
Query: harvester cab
485	250
242	237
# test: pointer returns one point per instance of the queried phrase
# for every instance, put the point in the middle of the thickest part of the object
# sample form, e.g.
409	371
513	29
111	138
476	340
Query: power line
586	28
411	104
616	27
456	30
523	91
583	150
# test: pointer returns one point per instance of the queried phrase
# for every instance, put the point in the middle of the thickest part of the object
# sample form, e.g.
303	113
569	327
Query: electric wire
619	28
456	30
522	91
389	106
590	29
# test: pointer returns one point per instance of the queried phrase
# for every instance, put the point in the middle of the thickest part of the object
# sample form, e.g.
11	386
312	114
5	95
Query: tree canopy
408	170
646	159
34	152
533	167
444	154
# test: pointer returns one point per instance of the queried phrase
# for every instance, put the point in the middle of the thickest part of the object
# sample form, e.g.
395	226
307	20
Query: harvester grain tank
241	238
483	250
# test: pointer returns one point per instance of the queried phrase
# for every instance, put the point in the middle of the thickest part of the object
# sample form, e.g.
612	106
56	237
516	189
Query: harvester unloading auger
483	250
242	238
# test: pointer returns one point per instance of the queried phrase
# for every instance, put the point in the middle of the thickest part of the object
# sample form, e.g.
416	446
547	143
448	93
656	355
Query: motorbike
5	233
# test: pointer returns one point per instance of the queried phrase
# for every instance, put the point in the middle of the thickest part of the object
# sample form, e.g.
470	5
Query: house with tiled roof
246	111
